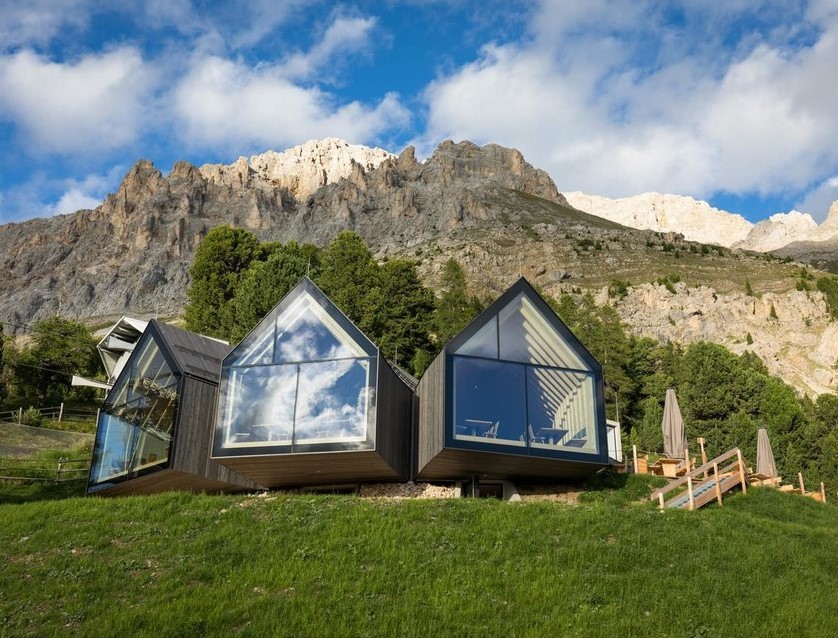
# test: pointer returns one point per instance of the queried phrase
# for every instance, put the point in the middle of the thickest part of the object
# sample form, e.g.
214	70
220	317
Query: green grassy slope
182	565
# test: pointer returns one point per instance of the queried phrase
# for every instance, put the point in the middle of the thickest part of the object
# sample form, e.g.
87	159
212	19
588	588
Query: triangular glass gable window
484	343
306	332
526	336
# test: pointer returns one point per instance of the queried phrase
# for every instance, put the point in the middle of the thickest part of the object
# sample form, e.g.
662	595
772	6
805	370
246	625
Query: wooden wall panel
394	414
452	464
193	436
326	468
430	424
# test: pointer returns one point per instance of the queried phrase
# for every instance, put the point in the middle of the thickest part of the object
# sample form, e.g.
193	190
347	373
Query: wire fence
21	441
64	469
59	414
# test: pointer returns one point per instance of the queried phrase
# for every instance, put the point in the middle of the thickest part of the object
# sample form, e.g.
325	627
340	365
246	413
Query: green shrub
32	417
829	287
619	288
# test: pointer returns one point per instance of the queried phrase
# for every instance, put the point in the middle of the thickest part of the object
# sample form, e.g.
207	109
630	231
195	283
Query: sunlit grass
292	565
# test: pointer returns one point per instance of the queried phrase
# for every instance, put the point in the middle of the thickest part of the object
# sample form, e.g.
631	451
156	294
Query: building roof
194	354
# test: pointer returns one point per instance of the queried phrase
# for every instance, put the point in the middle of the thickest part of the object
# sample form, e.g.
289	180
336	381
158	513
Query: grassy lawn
304	565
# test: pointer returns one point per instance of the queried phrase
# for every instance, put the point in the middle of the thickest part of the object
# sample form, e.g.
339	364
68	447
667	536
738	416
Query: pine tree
454	309
219	264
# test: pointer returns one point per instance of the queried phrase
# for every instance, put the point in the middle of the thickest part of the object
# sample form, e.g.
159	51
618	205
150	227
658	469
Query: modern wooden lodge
307	399
514	396
155	426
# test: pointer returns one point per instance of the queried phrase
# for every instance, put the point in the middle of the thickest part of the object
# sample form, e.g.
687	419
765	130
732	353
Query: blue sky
731	101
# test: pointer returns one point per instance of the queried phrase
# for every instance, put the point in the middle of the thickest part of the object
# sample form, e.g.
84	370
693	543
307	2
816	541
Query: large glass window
518	382
489	401
300	382
137	422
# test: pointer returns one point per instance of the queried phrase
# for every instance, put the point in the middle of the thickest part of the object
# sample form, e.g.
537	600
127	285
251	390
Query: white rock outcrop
695	219
300	170
778	231
800	345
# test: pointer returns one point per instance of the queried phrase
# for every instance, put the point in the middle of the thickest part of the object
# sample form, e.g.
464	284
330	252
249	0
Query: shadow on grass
15	492
612	488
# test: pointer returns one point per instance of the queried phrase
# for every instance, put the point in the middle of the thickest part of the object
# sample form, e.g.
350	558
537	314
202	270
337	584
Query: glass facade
517	382
137	421
300	382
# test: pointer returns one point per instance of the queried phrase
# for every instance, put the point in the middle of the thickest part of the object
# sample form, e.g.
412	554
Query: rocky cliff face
698	221
132	253
695	220
299	171
486	206
800	345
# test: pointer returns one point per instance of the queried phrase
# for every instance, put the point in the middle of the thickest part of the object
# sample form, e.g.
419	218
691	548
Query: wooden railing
715	481
12	469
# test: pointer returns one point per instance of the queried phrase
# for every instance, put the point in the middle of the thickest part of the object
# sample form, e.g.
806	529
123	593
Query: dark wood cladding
453	464
193	442
430	424
326	468
393	416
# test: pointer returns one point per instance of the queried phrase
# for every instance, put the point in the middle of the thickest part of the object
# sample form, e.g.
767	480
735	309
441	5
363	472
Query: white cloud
36	22
599	98
86	193
43	196
227	105
81	107
343	36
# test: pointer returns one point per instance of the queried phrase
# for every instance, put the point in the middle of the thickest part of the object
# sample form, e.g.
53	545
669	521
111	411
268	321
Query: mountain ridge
484	205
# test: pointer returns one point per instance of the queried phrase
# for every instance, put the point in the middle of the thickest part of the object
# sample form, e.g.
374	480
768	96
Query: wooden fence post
20	416
823	493
800	480
742	478
703	453
716	479
634	457
690	492
61	412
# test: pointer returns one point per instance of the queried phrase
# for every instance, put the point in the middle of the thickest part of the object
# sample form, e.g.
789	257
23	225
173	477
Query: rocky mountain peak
696	220
300	170
831	220
504	166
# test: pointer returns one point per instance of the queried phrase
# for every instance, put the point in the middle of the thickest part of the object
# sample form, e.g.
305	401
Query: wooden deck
704	484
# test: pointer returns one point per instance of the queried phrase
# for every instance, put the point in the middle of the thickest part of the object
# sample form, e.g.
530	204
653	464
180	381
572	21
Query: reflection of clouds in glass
257	349
332	400
262	397
303	337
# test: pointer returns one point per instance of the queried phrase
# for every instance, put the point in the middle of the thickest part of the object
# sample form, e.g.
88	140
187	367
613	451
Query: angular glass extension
137	420
523	381
302	381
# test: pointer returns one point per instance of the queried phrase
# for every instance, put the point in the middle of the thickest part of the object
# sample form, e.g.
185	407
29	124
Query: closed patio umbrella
765	457
674	439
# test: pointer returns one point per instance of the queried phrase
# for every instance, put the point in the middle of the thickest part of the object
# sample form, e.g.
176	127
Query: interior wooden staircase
705	483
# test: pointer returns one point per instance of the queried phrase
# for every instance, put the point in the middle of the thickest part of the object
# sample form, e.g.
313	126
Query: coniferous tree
348	273
266	282
399	313
454	308
219	264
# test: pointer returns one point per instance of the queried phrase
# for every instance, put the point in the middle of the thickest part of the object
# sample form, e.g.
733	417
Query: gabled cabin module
514	395
307	399
155	426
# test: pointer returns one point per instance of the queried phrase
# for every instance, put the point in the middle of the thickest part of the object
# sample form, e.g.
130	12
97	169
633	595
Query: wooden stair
704	484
